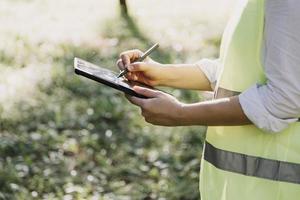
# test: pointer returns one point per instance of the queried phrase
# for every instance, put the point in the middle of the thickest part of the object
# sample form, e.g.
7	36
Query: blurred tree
124	8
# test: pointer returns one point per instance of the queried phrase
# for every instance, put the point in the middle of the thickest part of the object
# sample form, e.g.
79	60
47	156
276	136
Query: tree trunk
124	9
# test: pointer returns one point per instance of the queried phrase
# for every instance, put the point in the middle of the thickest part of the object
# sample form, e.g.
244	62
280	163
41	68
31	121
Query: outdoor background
65	137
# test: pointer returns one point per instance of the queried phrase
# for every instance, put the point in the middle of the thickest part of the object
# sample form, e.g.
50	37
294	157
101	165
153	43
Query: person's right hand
148	71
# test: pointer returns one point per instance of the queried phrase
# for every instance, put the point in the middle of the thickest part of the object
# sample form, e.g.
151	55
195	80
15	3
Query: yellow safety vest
243	162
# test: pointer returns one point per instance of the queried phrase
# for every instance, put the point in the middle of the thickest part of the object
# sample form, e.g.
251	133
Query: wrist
182	115
191	114
168	75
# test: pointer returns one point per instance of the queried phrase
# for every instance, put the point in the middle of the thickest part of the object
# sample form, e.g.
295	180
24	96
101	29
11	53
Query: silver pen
140	59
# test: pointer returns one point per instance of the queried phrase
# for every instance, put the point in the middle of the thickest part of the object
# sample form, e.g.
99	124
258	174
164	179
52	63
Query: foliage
72	138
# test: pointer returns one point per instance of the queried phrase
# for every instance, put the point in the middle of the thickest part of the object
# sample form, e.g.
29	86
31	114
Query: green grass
61	137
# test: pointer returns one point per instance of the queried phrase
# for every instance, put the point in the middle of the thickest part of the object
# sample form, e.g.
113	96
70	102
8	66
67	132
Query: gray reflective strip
251	165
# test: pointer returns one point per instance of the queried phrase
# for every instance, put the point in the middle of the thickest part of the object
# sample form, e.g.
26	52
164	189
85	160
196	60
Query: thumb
137	66
146	91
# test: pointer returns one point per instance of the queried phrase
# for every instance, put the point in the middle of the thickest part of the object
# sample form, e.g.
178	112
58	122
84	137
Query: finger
128	97
125	59
145	113
134	77
138	66
129	56
136	101
131	76
146	91
120	64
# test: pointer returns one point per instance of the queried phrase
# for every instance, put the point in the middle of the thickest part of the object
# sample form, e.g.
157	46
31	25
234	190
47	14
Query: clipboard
107	77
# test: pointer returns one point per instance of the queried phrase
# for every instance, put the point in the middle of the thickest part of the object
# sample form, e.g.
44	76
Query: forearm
184	76
221	112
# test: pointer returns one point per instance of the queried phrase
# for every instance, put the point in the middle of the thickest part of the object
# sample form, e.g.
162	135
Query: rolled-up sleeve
275	105
211	69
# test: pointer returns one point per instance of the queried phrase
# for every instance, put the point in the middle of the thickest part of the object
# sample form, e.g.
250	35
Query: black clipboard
106	77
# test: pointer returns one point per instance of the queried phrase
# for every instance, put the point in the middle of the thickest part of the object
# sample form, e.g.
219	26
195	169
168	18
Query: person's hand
148	71
160	109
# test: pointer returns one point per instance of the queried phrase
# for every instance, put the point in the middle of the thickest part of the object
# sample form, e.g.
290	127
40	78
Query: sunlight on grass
66	137
55	20
186	26
21	85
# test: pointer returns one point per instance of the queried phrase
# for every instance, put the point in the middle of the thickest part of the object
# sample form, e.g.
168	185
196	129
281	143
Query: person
252	147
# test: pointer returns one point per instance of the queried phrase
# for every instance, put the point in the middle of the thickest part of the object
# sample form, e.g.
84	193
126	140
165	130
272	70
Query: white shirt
275	105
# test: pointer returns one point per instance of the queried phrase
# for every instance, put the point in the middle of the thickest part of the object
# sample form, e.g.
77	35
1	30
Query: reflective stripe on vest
251	165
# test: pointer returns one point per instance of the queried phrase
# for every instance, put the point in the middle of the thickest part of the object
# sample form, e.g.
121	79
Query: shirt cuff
256	112
210	68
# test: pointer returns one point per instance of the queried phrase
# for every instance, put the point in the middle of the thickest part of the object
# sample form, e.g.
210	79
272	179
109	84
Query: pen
140	59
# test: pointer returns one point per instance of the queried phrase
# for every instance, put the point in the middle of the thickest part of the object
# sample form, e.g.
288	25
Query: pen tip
119	75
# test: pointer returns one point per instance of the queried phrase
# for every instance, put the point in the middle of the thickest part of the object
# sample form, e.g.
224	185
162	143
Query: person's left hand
160	109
